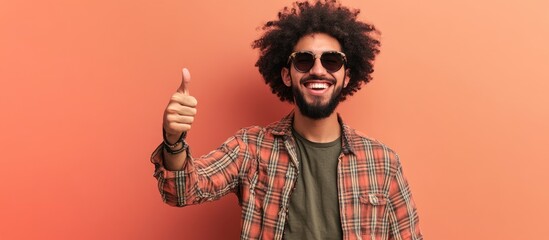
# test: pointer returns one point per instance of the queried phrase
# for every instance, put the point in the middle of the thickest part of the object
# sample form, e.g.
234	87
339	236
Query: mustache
314	77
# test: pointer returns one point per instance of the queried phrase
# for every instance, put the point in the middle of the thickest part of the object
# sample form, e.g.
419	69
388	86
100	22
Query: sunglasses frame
315	56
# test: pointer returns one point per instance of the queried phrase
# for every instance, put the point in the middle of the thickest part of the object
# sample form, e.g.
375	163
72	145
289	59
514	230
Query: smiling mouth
317	85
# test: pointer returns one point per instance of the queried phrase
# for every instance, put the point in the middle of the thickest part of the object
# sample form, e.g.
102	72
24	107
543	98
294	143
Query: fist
181	110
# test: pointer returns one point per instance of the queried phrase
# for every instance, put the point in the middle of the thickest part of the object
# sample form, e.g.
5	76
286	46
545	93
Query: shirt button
373	199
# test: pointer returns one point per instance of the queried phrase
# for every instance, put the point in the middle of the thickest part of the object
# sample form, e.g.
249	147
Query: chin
316	110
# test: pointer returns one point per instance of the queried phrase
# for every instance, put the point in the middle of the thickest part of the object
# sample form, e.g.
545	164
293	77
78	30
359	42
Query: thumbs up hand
180	112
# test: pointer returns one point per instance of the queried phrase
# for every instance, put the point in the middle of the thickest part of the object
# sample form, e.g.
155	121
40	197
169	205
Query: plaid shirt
260	166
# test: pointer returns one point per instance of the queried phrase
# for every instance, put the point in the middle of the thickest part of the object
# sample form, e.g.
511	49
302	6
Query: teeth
318	85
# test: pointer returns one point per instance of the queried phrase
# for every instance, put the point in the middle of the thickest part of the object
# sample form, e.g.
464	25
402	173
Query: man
308	176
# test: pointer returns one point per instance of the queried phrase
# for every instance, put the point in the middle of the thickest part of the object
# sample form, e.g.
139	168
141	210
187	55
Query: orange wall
460	91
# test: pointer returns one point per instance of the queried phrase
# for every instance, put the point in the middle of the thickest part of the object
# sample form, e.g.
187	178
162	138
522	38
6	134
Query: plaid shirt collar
283	128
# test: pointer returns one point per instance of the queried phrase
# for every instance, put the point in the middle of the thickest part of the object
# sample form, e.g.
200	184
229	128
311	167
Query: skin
181	110
178	118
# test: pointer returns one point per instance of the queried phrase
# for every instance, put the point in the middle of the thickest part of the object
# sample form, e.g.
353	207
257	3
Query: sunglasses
303	61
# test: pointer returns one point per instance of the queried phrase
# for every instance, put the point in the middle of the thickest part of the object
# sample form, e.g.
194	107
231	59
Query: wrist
178	144
171	139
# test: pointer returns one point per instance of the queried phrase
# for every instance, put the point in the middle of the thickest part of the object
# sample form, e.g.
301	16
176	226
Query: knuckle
177	97
172	108
192	101
174	98
172	126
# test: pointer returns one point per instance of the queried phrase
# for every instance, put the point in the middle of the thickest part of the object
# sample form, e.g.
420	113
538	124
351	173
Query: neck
317	130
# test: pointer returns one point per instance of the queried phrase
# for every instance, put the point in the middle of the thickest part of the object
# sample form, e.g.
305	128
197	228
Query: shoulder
250	131
278	128
363	139
254	133
368	147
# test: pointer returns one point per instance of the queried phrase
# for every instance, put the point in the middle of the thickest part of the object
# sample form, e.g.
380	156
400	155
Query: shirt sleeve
403	215
202	179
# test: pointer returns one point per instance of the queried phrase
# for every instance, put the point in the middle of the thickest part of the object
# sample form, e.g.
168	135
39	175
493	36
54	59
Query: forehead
317	42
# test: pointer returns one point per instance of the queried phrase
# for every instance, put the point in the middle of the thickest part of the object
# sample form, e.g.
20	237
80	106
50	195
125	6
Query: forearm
403	209
174	155
174	162
173	174
200	179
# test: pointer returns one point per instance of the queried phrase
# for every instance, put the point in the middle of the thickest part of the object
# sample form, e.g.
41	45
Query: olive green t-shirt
314	209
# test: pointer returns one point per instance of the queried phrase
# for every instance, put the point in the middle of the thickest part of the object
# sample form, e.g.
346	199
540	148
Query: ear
347	77
285	74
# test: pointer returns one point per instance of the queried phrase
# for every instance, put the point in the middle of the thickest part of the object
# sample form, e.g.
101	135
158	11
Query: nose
317	69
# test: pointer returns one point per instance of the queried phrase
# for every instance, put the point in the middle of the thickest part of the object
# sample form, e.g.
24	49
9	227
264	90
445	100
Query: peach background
460	91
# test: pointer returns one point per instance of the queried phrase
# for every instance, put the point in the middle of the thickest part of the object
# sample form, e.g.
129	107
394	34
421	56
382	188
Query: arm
403	217
202	179
183	180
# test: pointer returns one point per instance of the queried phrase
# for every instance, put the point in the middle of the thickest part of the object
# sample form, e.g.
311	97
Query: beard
316	110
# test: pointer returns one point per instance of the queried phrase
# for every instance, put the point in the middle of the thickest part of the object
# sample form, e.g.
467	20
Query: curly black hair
324	16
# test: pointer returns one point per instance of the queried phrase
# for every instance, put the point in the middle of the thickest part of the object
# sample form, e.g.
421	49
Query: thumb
185	80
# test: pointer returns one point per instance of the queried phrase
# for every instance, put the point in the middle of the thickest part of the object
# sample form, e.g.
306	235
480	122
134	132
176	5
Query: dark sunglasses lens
332	61
303	62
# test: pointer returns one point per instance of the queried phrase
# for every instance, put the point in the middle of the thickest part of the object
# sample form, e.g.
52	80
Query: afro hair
357	40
